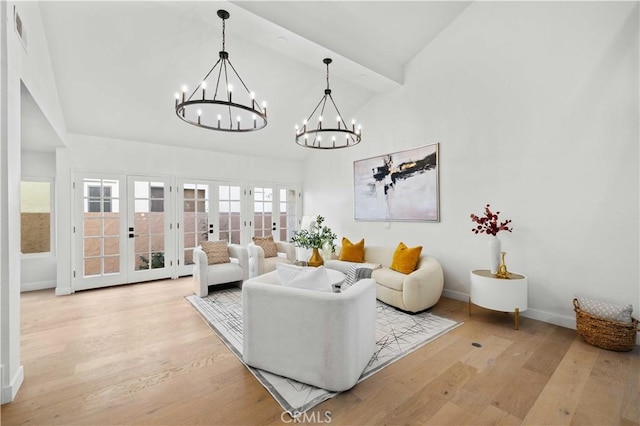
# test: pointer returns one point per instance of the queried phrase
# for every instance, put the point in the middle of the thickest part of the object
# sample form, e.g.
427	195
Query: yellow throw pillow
267	244
405	259
352	252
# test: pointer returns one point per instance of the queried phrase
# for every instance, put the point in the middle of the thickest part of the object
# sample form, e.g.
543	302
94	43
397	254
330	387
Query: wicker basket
604	333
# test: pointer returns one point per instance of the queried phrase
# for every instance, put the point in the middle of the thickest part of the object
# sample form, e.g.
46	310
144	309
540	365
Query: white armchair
259	264
319	338
205	275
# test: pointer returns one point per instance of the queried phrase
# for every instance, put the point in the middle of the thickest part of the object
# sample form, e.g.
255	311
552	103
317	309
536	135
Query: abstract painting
402	186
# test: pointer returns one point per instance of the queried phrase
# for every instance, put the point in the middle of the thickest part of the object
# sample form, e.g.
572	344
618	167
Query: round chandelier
323	135
221	107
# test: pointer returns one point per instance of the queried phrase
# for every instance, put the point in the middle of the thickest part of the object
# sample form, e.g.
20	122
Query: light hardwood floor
139	354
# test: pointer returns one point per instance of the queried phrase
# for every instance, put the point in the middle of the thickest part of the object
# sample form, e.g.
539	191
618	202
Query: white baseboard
455	295
63	291
9	392
536	314
41	285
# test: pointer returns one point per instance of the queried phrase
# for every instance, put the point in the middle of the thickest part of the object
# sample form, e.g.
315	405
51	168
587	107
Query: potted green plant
315	238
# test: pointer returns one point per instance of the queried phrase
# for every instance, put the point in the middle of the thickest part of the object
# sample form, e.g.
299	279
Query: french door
139	228
210	211
100	244
150	247
275	211
123	231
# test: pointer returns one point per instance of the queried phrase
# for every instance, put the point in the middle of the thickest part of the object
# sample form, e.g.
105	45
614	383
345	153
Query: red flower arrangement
489	223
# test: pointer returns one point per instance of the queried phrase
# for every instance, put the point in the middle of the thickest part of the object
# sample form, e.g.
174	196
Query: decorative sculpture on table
502	269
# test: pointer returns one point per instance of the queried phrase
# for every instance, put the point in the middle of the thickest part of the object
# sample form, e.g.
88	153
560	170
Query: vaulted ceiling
118	64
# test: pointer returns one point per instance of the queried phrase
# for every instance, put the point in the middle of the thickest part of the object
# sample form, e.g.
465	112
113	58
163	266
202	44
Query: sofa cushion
352	252
304	277
405	259
224	273
389	278
216	251
267	244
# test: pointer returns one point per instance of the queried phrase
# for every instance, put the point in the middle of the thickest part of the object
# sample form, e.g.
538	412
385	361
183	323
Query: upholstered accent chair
260	262
206	273
324	339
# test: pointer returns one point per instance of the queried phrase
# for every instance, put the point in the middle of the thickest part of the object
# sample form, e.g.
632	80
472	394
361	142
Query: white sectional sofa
414	292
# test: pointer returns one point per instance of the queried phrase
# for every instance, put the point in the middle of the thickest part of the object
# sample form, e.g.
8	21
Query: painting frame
403	186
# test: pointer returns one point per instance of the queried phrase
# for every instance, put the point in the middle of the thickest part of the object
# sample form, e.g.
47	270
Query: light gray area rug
397	334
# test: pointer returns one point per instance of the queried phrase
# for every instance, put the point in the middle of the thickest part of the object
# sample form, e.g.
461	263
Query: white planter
495	250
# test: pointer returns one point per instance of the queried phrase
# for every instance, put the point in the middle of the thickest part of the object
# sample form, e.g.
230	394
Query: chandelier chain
223	36
327	76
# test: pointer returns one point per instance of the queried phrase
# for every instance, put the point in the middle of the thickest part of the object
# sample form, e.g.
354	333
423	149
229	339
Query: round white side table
499	294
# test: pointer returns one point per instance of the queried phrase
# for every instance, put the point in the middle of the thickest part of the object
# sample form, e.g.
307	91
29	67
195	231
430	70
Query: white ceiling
118	64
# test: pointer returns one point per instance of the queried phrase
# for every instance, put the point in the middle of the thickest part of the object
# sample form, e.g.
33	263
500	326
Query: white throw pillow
610	311
304	277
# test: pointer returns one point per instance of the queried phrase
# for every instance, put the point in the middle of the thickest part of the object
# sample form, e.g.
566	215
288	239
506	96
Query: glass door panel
263	224
287	213
99	235
229	213
209	210
195	223
149	229
275	212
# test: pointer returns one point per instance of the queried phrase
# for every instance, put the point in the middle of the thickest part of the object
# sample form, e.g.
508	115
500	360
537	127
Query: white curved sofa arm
256	260
240	253
289	249
200	269
423	287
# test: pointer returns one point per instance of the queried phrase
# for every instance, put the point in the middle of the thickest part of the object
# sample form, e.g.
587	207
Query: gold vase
315	260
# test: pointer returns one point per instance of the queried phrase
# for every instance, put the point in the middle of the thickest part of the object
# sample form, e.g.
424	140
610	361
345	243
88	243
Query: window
99	195
35	216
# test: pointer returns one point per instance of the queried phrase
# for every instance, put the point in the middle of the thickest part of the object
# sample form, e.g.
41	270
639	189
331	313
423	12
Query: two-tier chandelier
320	134
221	107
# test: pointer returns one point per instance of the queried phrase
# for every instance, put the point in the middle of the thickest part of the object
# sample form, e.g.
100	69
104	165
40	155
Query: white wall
11	369
38	271
33	67
535	107
36	70
95	154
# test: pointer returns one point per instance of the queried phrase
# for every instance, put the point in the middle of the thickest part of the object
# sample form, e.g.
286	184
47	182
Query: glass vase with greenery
315	237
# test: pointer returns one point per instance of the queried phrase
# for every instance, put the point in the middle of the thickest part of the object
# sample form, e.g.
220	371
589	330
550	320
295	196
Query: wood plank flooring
139	354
